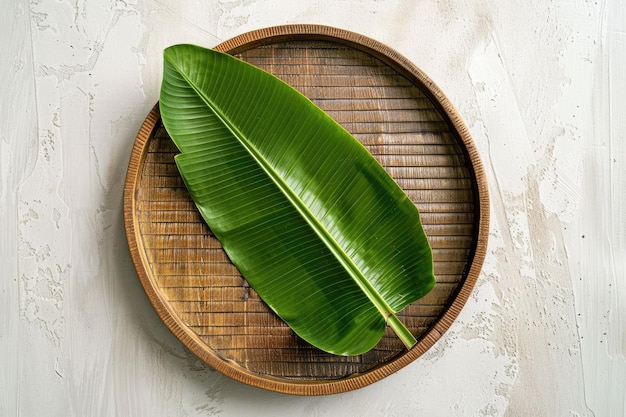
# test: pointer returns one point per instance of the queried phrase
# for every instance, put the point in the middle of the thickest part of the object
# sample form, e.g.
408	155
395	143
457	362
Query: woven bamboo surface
410	128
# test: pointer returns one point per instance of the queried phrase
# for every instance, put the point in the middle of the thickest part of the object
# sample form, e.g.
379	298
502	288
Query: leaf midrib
353	270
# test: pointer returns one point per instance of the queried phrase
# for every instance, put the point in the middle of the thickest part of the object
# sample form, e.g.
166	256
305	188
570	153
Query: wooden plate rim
475	259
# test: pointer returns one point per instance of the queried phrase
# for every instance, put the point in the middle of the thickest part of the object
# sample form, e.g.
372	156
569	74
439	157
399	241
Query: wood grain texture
410	128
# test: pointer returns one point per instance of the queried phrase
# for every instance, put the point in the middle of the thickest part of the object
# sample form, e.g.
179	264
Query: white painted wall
541	85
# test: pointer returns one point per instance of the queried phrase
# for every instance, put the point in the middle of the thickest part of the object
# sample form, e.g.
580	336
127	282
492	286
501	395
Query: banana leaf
312	221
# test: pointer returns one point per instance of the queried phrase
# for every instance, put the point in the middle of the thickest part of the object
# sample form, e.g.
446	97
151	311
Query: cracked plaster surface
531	80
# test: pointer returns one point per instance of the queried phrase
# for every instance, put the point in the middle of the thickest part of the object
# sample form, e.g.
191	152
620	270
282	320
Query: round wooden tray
405	121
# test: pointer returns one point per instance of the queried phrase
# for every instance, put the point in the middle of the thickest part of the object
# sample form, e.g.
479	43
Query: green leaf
308	216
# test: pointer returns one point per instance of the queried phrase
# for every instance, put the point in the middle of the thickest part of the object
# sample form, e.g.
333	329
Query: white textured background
542	87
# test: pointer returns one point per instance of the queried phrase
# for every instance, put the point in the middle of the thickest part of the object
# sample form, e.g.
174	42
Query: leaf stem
401	331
